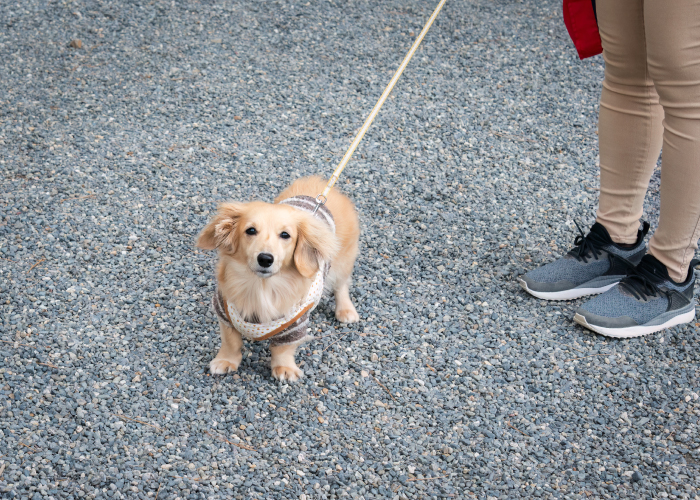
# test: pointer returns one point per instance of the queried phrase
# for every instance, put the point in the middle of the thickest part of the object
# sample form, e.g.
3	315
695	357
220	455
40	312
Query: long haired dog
274	260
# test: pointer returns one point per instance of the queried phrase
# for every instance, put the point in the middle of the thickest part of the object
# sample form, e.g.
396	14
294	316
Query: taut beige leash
322	198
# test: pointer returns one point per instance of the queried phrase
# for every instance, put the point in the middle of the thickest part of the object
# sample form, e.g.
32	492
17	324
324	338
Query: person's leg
630	120
658	293
673	54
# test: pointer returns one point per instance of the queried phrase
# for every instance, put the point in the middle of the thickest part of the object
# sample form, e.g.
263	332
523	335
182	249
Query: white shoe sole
571	294
636	331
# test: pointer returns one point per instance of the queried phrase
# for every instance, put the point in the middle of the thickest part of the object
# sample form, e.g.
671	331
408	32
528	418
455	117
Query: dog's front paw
292	374
347	315
220	366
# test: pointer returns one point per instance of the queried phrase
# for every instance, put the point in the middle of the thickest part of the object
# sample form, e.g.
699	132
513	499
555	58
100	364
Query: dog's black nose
265	259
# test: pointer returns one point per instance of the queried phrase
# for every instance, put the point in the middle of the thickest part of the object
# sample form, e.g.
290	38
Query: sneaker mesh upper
615	303
623	252
569	269
576	271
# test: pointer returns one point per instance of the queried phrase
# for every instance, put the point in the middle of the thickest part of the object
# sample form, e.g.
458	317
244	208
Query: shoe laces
587	244
642	283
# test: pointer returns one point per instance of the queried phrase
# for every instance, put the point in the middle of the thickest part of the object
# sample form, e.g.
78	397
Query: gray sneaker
645	301
595	265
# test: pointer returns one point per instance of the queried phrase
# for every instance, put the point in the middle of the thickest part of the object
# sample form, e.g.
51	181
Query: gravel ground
455	384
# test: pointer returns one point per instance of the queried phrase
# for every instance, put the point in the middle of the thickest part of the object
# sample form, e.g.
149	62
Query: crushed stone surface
123	124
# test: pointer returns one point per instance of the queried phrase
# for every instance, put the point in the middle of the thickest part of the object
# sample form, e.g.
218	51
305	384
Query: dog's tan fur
296	261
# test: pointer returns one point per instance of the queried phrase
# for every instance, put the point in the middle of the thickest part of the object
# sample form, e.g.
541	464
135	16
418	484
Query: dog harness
292	328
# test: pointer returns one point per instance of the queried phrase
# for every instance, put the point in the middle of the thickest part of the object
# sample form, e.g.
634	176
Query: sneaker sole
571	294
636	331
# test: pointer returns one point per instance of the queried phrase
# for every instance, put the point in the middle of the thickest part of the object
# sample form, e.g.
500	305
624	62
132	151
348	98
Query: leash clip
320	200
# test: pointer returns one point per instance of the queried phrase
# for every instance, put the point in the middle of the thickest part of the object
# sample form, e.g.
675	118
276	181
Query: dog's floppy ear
316	243
221	231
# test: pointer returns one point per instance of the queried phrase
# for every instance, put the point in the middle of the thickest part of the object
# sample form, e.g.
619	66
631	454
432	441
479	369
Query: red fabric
579	18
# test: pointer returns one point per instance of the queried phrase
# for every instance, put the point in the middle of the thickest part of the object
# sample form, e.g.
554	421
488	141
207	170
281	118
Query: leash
322	198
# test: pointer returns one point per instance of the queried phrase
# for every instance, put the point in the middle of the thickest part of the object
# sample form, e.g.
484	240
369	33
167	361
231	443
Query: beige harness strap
287	324
225	308
277	330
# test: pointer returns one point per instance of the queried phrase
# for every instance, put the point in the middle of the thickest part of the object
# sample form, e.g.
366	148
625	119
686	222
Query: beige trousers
650	98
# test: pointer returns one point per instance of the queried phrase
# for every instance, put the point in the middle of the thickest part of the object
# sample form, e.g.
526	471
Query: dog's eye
284	235
251	231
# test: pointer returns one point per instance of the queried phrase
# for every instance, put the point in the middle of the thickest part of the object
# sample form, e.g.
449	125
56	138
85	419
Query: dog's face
269	238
